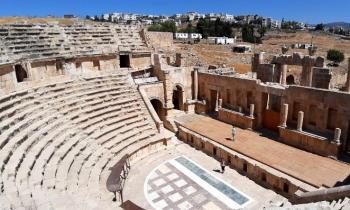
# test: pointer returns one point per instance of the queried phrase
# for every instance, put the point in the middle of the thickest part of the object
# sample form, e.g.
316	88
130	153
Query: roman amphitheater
101	116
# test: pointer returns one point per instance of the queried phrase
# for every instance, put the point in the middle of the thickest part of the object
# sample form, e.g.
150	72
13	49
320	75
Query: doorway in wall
158	107
290	80
178	97
271	111
124	61
21	73
213	97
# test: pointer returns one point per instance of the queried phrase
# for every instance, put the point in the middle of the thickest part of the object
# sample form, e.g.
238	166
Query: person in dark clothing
223	165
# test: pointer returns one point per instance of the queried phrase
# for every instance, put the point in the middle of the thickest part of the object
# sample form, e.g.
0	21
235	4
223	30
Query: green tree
319	27
335	56
167	26
188	29
262	31
248	34
214	28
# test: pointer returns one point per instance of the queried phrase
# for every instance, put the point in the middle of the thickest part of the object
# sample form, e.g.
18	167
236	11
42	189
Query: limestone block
319	62
297	58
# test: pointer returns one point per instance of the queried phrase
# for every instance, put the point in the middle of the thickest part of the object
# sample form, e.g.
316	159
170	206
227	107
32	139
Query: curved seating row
58	141
27	41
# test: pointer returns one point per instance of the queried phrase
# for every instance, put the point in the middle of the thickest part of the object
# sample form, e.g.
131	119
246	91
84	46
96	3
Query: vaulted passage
124	61
21	74
290	80
158	107
178	98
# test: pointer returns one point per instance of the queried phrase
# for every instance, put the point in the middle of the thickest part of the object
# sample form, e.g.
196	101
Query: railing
334	193
151	110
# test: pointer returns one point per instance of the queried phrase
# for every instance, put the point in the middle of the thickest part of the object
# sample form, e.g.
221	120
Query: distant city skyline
309	11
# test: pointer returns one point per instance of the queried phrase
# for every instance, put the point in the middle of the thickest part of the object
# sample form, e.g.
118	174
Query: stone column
300	121
347	88
168	91
306	74
217	101
261	57
284	69
284	115
178	61
251	110
337	134
258	59
168	60
195	83
220	103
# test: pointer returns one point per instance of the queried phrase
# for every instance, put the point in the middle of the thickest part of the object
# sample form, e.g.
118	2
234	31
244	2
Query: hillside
344	25
35	20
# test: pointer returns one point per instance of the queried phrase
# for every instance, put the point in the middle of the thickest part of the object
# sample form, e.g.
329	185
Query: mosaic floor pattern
172	186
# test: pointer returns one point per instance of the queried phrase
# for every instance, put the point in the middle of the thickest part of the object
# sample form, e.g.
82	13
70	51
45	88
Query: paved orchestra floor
310	168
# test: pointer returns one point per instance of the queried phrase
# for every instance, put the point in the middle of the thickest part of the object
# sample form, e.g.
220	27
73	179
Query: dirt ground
222	55
62	21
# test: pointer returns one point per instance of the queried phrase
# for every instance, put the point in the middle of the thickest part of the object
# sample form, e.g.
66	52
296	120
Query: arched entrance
21	74
290	80
178	97
158	107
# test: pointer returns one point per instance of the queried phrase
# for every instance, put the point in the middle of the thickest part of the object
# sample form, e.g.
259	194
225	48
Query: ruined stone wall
141	61
235	118
309	142
323	110
266	72
155	91
109	62
183	77
234	92
279	72
43	70
159	39
49	69
321	78
7	77
338	80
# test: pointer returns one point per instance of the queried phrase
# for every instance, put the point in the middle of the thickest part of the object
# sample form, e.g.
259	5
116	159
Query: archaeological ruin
97	116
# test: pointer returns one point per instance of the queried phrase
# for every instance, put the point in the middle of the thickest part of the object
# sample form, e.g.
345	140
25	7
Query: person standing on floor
234	132
223	165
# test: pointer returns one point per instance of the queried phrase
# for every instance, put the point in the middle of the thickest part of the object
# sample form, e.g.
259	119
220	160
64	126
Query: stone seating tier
27	41
58	141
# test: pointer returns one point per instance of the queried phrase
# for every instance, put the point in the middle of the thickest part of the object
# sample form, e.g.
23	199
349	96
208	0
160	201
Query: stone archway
21	74
290	80
158	107
178	97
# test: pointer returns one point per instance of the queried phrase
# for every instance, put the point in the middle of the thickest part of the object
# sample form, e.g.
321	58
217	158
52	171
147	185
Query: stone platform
310	168
173	189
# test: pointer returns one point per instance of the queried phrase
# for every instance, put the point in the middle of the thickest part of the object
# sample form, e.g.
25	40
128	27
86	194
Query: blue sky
311	11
